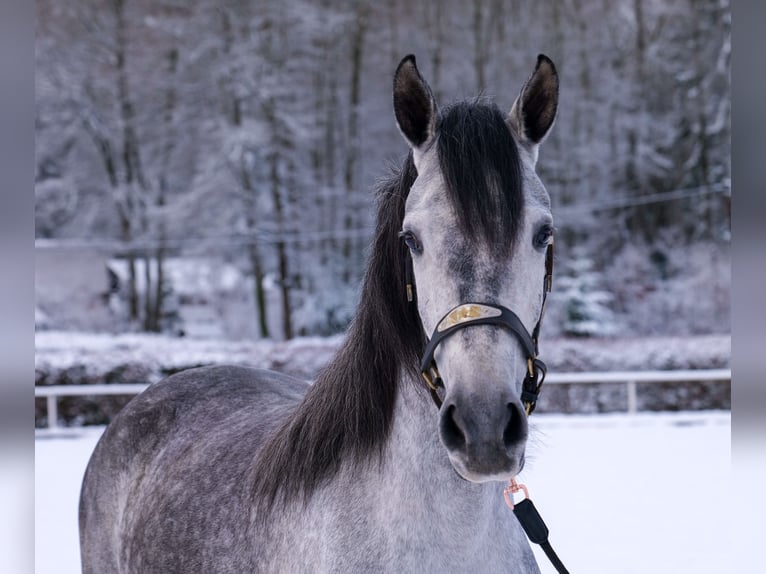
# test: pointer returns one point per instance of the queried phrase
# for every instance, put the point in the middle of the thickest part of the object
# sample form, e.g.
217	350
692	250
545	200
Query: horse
394	458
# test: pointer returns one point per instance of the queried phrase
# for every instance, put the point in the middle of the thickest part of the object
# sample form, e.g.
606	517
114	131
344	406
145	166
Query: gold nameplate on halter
467	313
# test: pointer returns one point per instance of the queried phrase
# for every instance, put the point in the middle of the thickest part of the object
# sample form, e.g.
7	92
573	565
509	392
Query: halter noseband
471	314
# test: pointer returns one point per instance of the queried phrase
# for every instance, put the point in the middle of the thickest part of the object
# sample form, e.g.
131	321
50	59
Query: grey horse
232	470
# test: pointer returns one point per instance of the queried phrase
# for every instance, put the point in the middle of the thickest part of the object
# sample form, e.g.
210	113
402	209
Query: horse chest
368	533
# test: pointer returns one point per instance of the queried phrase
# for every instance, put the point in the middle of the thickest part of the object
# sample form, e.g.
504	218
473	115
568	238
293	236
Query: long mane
347	412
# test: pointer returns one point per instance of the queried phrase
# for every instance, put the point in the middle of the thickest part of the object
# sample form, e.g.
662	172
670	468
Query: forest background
216	160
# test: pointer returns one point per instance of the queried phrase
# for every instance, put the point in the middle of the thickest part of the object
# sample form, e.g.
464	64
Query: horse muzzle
485	440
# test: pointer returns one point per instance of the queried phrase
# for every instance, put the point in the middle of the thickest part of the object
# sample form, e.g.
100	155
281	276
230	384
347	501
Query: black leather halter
471	314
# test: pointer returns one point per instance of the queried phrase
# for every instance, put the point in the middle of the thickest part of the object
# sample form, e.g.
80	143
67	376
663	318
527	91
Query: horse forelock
480	165
347	413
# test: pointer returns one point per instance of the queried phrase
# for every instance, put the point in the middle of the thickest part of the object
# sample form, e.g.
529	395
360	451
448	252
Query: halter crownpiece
471	314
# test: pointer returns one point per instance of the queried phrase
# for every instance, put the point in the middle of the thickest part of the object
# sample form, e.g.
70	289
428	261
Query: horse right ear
414	106
534	111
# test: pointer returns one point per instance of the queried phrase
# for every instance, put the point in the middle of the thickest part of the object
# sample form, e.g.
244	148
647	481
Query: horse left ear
414	106
534	111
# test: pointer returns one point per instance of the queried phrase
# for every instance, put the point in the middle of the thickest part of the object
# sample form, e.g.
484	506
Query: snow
633	495
98	354
191	276
620	493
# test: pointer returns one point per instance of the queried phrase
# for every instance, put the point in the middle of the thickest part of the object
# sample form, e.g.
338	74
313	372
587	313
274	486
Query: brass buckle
549	268
532	373
431	376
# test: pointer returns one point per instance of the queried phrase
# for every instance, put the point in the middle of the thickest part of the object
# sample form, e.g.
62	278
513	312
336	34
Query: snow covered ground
99	355
620	493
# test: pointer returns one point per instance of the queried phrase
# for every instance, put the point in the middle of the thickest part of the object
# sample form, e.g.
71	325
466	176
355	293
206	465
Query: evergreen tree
587	311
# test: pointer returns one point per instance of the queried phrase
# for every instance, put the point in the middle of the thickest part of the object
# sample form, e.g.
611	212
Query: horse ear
414	105
534	111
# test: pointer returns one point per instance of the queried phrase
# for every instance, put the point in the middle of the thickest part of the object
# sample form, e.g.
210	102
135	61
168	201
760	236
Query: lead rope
525	511
532	522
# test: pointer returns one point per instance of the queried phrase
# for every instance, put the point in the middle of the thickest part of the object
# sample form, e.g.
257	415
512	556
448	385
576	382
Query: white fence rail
629	378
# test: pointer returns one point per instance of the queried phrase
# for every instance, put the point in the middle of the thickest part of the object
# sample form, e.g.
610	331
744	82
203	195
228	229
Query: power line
632	201
257	238
262	237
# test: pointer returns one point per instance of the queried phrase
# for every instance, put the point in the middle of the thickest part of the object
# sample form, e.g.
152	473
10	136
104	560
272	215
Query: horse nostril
452	434
514	429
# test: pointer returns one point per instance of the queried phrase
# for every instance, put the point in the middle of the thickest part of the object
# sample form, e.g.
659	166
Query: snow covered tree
586	304
254	131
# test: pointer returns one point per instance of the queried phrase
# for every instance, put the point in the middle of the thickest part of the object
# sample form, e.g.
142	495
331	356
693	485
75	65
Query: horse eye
411	241
543	236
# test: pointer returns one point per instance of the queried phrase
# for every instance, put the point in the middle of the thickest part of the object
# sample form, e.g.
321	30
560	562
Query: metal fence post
632	398
53	411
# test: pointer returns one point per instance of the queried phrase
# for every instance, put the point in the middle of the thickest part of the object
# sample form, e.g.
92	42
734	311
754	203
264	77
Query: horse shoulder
172	461
194	401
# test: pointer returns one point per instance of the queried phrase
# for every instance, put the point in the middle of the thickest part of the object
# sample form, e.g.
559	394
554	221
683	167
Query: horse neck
419	480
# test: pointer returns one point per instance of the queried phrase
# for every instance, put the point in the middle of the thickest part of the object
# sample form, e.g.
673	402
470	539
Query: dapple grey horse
232	470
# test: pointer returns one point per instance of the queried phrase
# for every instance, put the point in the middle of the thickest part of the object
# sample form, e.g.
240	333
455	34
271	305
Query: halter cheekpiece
472	314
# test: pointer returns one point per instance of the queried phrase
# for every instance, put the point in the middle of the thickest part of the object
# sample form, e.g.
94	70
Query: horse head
478	226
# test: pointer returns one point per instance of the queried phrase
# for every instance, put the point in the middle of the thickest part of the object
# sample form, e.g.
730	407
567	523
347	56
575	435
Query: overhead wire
263	237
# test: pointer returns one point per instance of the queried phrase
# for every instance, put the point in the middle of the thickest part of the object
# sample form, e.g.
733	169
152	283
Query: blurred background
204	178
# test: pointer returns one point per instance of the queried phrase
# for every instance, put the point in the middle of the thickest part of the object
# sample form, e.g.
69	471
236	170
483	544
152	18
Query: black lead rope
532	522
537	531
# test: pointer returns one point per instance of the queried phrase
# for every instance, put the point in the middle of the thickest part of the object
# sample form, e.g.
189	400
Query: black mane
480	164
347	413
